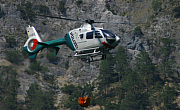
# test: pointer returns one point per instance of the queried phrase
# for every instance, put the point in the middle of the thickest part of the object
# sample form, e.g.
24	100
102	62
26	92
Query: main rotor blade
90	21
119	22
116	22
58	17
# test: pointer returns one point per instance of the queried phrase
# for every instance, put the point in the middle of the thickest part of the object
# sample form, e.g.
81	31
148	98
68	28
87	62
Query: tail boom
34	43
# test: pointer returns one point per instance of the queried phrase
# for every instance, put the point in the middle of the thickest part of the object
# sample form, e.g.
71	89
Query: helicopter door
97	39
90	40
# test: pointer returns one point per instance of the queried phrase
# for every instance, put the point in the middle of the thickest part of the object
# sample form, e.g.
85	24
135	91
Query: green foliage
168	96
168	41
165	70
130	102
36	66
109	105
51	57
13	56
130	82
44	9
168	48
49	78
61	6
145	68
79	2
138	88
22	12
68	89
74	93
1	13
37	99
107	74
138	31
9	88
26	11
29	11
177	11
122	65
11	42
156	5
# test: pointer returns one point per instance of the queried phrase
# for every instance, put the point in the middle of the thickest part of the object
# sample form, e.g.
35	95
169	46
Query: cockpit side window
81	36
98	34
89	35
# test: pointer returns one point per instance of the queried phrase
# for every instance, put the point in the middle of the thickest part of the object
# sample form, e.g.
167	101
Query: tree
107	74
35	67
68	89
167	48
130	102
165	70
168	97
9	88
37	99
74	93
122	65
145	69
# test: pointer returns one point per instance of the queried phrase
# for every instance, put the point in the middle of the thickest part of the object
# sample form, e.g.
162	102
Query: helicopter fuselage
84	39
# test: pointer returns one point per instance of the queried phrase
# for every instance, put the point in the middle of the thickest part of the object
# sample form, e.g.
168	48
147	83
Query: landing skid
91	54
95	51
91	59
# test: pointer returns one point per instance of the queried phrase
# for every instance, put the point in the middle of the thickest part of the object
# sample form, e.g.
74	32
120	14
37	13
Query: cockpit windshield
110	37
108	34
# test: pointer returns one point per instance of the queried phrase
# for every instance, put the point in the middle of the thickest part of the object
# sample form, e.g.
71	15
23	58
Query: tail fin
31	46
34	43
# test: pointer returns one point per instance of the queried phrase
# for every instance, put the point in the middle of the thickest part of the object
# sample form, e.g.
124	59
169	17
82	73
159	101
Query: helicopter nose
117	39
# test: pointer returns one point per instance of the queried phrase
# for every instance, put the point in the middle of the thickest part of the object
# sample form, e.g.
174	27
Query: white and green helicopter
84	41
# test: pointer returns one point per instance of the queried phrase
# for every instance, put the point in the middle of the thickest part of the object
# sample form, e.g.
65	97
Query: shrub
61	7
36	66
26	12
13	56
137	31
44	9
156	5
1	13
177	11
11	42
52	59
79	2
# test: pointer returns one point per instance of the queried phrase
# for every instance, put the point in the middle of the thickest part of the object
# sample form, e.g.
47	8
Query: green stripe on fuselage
69	42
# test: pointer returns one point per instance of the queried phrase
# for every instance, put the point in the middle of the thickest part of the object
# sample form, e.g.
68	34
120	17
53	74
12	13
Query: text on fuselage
74	42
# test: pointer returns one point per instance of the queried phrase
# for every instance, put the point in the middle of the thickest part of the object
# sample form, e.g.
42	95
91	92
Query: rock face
14	19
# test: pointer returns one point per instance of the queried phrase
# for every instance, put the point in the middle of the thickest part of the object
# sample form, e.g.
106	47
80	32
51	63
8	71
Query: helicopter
86	40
